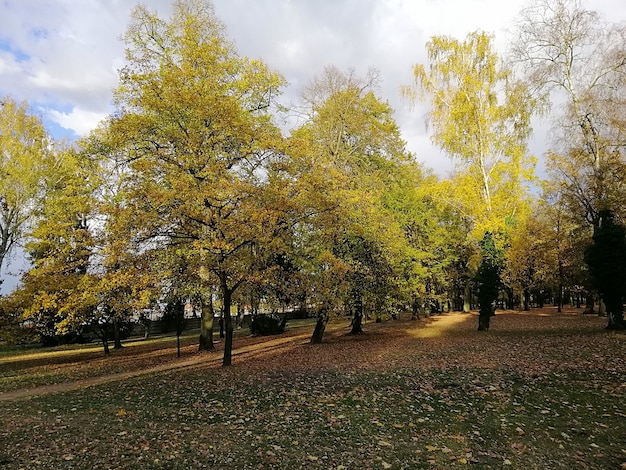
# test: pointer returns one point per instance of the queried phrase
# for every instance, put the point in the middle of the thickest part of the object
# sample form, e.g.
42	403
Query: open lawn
540	390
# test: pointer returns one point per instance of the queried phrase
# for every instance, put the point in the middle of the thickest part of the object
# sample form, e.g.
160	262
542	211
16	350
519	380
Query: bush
267	325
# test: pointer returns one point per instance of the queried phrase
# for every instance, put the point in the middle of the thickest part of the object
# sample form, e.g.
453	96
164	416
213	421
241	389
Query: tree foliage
194	125
481	117
606	258
25	160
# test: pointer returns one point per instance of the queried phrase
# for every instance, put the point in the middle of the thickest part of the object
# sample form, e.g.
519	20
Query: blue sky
62	56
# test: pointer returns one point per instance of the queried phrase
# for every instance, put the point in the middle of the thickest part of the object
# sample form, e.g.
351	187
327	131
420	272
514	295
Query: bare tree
577	60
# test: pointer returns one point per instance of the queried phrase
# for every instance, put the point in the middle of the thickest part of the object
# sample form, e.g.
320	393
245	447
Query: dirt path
211	359
384	344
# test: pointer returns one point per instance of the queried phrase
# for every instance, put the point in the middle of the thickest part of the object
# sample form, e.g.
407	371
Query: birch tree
480	115
574	57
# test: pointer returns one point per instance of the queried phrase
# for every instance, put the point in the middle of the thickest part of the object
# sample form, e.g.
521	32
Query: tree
488	280
61	244
194	123
573	56
481	118
25	158
606	258
345	156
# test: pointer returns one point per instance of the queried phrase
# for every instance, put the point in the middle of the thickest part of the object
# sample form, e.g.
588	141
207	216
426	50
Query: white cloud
69	50
78	120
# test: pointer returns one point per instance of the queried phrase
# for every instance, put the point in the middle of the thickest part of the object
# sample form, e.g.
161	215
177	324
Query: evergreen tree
606	259
488	280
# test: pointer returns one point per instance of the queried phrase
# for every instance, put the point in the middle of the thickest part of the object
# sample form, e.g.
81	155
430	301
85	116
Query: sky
62	56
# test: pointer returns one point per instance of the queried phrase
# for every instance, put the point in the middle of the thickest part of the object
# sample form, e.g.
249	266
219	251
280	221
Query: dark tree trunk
415	308
526	299
117	337
484	317
105	341
559	294
206	325
320	326
615	313
590	304
228	321
357	315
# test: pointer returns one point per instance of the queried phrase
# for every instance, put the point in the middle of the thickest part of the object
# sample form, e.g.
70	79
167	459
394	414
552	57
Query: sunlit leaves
25	159
481	117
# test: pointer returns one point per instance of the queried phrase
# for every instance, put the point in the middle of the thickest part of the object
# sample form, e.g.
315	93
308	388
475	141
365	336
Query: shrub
267	325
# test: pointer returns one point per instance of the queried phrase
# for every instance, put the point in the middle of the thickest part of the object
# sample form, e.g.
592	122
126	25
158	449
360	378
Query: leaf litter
538	391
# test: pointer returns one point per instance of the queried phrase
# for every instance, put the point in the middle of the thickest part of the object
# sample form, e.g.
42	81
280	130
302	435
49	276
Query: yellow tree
349	151
481	117
25	158
61	243
193	121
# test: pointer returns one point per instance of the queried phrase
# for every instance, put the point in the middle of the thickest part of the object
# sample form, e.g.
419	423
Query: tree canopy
194	190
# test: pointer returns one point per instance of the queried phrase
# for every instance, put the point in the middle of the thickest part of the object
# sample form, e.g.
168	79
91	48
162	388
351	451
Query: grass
535	392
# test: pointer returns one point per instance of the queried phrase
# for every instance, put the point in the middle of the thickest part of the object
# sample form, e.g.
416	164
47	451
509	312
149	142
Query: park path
437	326
202	360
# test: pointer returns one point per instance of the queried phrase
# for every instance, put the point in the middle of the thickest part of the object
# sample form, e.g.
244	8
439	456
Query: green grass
533	410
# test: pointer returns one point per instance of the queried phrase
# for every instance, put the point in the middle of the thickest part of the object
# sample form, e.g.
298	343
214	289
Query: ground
539	390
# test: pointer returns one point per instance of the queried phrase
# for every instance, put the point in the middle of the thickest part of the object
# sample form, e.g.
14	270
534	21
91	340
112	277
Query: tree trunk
117	337
357	315
590	305
415	308
484	318
615	313
206	325
467	295
526	299
560	287
320	326
105	341
239	316
228	321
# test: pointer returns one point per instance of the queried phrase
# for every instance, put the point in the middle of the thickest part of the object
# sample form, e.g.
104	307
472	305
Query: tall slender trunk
105	340
206	325
467	295
357	313
526	299
228	321
560	287
117	336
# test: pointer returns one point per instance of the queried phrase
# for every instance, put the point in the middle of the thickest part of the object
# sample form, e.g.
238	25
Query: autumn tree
606	258
572	56
346	153
481	117
488	280
25	157
532	261
194	122
60	246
